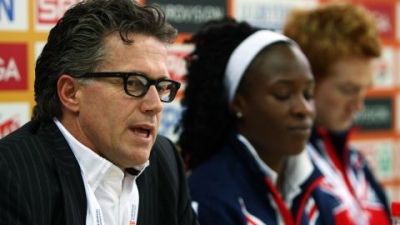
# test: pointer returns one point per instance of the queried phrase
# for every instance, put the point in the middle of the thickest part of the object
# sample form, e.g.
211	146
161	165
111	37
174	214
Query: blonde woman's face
341	95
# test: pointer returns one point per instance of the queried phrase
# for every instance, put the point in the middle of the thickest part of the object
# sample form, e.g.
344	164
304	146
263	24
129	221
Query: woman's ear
237	105
67	88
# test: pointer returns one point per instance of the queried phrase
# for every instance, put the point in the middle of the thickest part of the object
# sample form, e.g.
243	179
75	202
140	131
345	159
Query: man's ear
67	88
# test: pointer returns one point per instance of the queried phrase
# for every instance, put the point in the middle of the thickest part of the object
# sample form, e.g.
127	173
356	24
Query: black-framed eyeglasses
137	84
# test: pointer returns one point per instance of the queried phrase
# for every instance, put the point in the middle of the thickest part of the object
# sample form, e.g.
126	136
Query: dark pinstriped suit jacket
41	183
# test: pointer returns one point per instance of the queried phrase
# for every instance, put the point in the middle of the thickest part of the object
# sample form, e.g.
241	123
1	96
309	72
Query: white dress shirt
112	194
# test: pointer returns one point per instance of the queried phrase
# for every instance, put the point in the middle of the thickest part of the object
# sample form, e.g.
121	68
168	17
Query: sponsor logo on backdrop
13	15
187	16
385	75
38	48
398	23
48	12
171	115
177	70
379	154
13	67
397	99
12	117
268	14
385	15
177	62
377	115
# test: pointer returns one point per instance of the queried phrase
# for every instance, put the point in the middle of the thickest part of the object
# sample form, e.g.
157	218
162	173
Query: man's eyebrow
147	75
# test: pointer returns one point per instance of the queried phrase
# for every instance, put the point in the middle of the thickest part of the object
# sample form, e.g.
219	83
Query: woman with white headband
248	115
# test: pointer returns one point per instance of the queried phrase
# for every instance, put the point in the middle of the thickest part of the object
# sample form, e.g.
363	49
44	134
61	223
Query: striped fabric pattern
41	183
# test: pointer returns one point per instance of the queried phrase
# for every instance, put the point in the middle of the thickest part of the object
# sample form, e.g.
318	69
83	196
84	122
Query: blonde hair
331	32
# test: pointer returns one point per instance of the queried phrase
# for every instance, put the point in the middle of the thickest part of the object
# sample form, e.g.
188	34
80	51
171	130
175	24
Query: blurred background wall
24	26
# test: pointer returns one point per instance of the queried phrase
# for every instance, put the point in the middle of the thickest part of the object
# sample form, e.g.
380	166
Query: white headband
244	54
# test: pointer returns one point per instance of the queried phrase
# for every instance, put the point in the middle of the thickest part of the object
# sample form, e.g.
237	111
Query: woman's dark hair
76	44
207	117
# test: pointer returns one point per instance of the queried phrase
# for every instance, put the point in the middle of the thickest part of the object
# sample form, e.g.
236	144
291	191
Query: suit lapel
69	174
148	194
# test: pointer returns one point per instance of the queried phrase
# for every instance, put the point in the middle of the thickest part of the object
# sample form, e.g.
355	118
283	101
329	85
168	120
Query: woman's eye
347	90
309	95
282	97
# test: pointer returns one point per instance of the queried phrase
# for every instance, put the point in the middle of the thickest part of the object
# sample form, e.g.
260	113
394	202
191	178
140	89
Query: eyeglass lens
138	85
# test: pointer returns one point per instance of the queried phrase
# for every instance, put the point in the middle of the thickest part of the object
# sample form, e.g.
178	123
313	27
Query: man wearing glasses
91	154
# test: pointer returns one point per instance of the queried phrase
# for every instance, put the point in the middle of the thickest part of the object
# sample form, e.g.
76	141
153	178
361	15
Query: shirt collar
297	167
93	166
264	167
